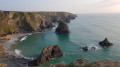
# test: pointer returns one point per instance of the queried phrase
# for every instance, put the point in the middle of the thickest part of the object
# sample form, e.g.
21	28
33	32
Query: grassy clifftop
22	22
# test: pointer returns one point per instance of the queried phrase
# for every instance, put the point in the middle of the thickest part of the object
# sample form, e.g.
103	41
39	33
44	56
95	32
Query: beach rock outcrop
105	42
62	28
62	64
85	48
47	54
81	62
104	63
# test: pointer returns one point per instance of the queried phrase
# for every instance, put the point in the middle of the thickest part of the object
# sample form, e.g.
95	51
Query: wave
92	47
24	38
18	52
95	46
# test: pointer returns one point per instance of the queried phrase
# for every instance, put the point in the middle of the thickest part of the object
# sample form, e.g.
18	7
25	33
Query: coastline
5	39
10	59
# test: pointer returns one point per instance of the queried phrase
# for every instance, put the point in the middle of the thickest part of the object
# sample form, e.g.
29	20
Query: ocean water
86	30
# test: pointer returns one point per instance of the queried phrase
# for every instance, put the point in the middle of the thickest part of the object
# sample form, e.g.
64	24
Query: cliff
56	16
22	22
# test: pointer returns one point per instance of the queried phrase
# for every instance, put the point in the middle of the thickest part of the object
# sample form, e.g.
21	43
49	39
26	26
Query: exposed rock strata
62	28
47	54
82	62
21	22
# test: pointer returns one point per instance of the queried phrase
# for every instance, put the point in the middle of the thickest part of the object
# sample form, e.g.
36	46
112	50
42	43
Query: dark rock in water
105	42
85	48
93	48
47	54
62	28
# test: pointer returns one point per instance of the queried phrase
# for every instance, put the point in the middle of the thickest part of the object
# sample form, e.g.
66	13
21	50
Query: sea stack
47	54
85	48
62	28
105	42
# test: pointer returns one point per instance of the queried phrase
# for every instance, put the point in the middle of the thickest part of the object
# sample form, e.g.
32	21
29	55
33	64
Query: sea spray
18	52
24	38
96	46
91	47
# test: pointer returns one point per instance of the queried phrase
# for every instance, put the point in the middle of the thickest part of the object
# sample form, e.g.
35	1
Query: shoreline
5	39
8	58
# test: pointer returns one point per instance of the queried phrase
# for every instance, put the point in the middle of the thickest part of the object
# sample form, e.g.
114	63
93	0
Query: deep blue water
86	29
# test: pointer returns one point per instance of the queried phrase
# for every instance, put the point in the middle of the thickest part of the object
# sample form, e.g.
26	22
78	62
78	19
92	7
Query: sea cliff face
22	22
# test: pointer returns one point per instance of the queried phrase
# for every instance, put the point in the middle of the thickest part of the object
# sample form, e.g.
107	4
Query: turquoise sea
86	30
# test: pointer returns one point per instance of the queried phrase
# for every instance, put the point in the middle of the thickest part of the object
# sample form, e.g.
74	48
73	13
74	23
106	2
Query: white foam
24	38
18	52
93	46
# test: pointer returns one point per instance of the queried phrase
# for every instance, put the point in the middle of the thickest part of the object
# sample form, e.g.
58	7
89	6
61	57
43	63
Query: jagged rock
104	63
47	54
81	62
85	48
62	28
105	42
62	64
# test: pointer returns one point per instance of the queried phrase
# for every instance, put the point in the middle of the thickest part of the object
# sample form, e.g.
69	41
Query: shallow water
86	29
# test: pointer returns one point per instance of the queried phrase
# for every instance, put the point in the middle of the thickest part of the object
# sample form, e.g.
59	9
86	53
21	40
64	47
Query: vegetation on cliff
22	22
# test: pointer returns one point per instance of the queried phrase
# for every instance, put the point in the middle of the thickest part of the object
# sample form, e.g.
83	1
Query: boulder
62	28
62	64
105	42
81	62
85	48
47	54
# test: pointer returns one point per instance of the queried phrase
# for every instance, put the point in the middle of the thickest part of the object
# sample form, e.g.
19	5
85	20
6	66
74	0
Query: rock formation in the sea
85	48
105	42
47	54
82	62
23	22
62	28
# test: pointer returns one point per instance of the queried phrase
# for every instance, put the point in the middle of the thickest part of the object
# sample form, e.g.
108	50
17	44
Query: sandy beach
7	59
5	39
